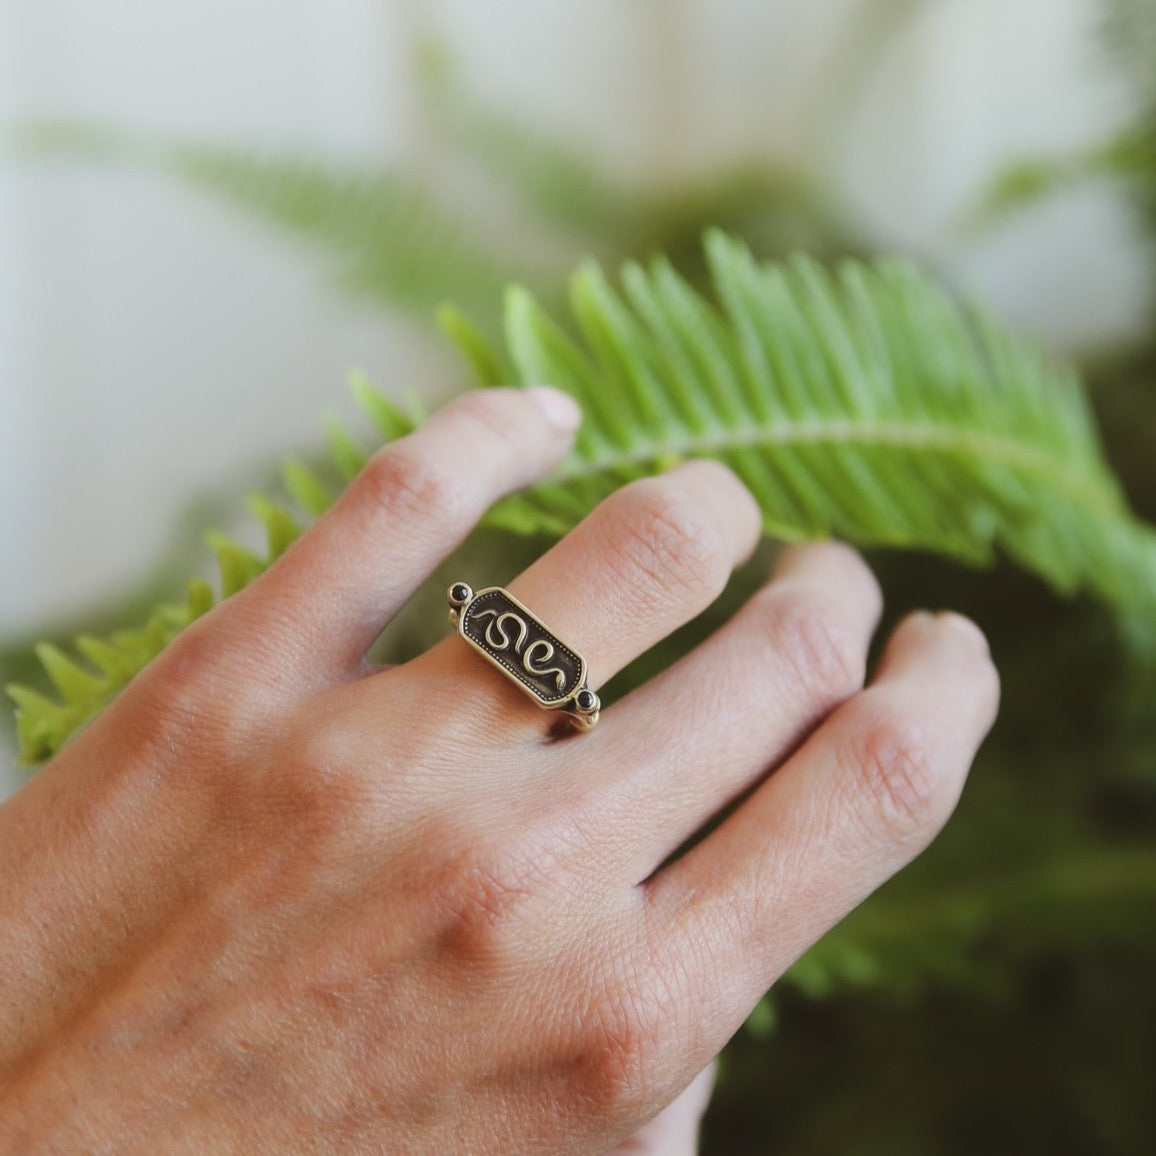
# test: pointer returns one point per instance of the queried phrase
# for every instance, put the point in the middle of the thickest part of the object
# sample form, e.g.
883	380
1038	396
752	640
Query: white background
154	346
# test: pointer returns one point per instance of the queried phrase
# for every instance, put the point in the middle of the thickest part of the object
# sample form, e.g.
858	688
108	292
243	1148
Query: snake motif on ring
511	636
498	637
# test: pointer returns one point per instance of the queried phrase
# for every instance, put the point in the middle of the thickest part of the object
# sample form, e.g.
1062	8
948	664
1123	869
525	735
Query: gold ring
507	634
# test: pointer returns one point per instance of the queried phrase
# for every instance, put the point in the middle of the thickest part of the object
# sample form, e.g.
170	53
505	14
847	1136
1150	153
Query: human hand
273	900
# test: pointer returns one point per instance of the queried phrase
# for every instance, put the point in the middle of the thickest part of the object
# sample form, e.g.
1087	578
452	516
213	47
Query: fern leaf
309	490
905	942
237	565
109	660
348	455
391	240
863	403
488	366
76	685
561	183
201	599
42	725
1128	156
1130	32
391	420
281	528
394	243
557	182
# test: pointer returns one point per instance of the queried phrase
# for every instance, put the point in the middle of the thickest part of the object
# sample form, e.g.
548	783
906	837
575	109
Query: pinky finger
863	796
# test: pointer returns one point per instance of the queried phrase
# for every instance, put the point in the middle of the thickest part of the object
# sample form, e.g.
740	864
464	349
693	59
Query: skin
274	900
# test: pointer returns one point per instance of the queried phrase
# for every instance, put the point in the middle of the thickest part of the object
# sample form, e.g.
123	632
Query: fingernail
964	626
561	410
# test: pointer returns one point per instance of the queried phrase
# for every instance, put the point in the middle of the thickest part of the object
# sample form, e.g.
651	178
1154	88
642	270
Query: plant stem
1098	495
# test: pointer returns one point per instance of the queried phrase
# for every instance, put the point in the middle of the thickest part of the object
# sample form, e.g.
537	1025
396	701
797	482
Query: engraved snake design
499	638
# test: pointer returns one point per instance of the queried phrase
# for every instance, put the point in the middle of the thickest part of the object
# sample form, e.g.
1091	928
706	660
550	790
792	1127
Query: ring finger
650	558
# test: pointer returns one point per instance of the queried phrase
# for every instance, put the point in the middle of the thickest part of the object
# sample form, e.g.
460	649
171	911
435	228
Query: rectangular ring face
499	626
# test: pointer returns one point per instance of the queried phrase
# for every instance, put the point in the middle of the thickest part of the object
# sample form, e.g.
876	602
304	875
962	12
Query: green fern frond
904	941
349	457
394	243
1129	156
863	403
87	687
565	187
309	491
489	367
1130	32
281	528
557	182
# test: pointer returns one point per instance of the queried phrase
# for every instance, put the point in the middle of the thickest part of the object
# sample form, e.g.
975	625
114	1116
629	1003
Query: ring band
509	636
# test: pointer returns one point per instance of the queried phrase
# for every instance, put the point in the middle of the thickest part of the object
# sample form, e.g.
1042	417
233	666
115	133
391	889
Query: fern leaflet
391	239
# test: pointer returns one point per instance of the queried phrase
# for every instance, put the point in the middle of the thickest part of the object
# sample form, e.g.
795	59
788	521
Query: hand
276	901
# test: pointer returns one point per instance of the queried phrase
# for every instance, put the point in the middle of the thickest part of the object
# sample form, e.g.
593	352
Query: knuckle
893	766
662	541
403	482
316	768
318	784
811	636
482	893
195	695
623	1050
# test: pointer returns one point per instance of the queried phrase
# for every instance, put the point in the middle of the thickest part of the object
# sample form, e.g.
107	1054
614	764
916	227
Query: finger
648	559
330	595
862	797
737	705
